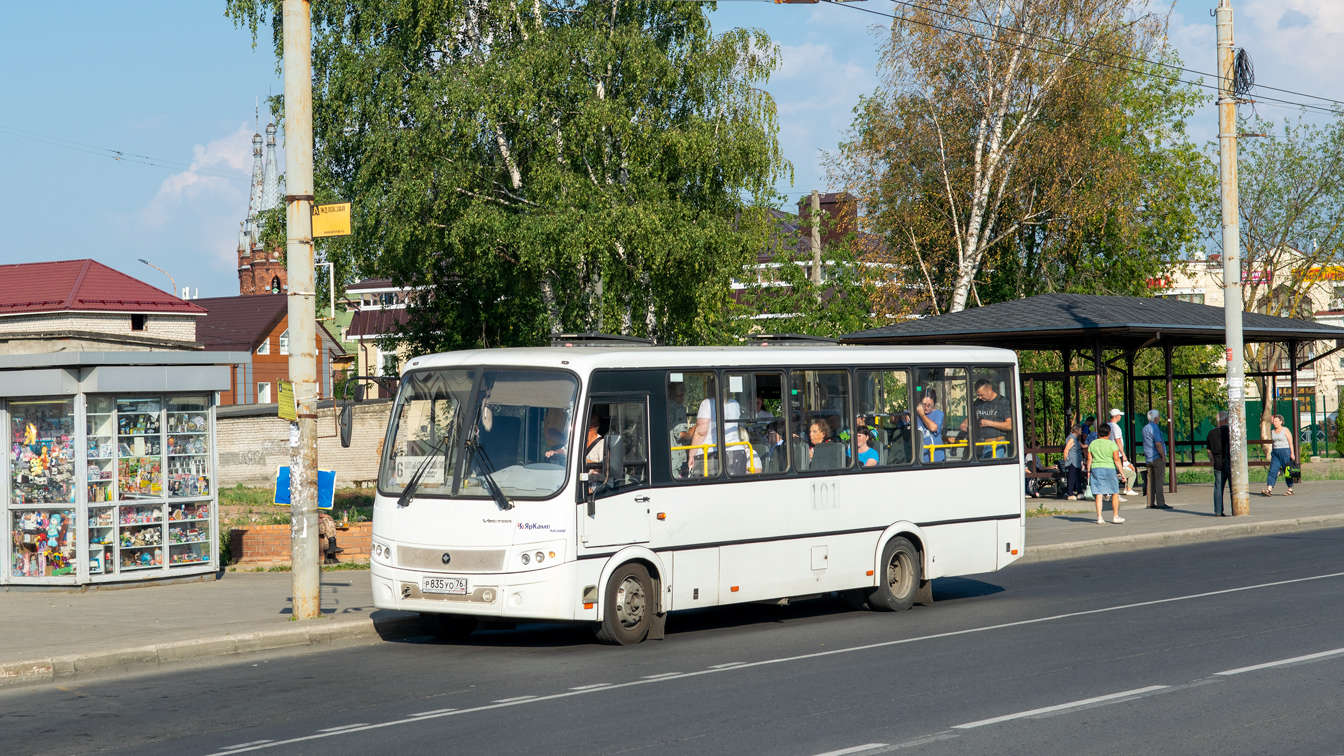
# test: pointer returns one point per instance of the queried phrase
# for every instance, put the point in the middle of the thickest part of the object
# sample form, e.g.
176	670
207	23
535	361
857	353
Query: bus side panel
796	567
1012	538
695	578
964	548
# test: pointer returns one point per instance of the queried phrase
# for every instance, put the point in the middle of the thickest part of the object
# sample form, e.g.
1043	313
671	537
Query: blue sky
177	82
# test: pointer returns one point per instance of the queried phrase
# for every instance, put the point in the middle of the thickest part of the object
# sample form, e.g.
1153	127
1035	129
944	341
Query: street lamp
161	270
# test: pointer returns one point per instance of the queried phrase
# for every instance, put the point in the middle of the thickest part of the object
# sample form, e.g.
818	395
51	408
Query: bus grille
462	560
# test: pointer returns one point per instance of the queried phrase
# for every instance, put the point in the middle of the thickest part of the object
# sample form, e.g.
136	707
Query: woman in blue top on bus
867	455
930	422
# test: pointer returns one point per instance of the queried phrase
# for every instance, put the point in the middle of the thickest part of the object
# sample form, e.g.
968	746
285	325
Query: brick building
259	325
77	305
261	270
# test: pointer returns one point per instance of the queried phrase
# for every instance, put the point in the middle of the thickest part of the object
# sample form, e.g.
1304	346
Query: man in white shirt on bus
704	435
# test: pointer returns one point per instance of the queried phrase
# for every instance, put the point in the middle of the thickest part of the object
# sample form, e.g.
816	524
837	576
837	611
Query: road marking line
245	745
855	749
345	727
660	675
725	666
1060	707
429	713
1295	659
594	686
783	660
515	699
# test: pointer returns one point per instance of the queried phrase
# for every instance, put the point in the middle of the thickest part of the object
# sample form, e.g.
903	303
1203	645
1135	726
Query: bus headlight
382	552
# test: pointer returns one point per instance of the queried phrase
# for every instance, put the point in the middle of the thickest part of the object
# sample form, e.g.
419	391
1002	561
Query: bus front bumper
546	594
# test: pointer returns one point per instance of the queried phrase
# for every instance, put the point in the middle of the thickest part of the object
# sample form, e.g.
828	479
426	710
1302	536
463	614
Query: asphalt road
1232	647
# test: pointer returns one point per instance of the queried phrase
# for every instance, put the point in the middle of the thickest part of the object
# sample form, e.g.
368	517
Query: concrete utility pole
1232	303
302	324
816	237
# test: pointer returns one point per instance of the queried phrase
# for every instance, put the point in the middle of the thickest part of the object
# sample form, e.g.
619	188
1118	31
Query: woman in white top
1281	455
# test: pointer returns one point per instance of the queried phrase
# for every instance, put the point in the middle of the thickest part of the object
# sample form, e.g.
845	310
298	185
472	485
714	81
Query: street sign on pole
331	220
285	407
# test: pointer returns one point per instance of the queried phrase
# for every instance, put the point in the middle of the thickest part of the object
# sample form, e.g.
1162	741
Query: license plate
443	585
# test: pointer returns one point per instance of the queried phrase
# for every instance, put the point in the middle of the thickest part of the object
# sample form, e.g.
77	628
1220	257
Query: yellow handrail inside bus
704	456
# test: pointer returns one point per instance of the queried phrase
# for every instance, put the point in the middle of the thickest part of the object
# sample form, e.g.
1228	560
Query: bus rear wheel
448	627
899	583
628	607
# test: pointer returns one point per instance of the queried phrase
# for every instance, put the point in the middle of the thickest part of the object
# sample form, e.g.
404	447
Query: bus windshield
456	429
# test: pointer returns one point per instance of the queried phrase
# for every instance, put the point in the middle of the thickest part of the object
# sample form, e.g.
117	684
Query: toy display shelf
189	519
175	544
141	567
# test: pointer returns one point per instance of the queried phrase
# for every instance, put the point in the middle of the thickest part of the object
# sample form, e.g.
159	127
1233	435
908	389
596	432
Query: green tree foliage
538	167
1027	152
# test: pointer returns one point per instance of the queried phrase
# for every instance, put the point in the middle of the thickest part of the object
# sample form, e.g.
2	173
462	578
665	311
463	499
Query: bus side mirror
359	392
346	424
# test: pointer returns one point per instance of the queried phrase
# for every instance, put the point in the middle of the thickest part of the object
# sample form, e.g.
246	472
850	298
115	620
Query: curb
1144	541
76	666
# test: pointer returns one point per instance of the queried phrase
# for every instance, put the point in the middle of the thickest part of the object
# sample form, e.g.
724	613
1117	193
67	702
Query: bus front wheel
628	607
896	590
448	627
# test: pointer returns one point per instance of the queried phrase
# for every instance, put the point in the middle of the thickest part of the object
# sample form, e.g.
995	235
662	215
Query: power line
118	155
1135	58
973	35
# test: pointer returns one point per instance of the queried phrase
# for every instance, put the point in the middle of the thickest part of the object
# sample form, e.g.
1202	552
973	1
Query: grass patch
243	506
342	567
1043	511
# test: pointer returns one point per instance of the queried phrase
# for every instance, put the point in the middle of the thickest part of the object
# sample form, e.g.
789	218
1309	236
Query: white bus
612	485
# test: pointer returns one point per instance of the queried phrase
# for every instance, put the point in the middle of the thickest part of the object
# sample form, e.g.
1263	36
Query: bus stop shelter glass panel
819	408
884	408
754	424
940	415
992	410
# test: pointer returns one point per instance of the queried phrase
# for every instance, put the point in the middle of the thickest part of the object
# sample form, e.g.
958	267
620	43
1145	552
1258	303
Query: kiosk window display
142	502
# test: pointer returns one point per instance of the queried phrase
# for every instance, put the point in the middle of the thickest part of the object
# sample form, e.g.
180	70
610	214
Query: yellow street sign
331	220
287	410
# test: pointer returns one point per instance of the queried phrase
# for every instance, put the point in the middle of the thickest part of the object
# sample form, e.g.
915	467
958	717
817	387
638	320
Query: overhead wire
973	35
119	155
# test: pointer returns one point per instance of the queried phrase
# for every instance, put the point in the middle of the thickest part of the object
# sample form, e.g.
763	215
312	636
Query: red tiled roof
370	323
371	283
239	323
81	286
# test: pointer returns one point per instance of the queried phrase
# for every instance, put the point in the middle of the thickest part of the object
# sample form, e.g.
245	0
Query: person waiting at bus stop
1103	459
1282	454
1156	455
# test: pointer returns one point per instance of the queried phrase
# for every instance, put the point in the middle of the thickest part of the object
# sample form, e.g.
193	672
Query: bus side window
819	412
884	408
940	415
754	434
693	423
626	420
992	410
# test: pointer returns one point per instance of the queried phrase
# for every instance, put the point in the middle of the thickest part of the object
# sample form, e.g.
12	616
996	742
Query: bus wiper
412	485
488	475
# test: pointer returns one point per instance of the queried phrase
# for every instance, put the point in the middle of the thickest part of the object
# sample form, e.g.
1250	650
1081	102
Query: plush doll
30	436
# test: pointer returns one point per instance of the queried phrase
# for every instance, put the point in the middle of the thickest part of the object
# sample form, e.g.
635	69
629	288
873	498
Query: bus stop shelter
1083	328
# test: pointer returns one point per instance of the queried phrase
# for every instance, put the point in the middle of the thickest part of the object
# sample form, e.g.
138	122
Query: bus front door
616	505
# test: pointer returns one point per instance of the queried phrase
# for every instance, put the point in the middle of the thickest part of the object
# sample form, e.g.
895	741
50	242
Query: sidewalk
1316	504
50	636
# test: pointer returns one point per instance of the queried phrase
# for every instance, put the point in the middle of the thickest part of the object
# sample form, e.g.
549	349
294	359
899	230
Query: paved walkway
57	636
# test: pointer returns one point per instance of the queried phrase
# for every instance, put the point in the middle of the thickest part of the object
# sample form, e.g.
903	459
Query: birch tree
978	97
548	166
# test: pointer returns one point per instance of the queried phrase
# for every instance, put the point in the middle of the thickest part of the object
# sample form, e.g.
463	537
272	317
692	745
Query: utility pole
1232	303
816	237
302	324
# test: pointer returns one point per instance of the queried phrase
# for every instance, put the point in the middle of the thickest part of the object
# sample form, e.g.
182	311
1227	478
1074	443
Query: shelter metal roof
1055	321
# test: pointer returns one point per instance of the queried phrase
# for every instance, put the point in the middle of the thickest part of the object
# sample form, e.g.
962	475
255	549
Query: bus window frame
909	403
783	374
581	490
848	370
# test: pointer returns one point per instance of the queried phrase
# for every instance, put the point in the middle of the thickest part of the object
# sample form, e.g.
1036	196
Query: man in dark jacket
1220	445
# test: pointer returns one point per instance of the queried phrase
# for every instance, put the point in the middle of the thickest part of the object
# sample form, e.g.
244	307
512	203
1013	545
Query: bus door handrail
751	468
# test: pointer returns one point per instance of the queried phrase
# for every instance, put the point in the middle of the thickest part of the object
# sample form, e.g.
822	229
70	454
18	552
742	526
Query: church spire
254	202
270	185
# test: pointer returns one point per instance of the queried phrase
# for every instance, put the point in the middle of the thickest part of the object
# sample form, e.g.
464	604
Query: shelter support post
1171	423
1067	393
1099	374
1292	386
1129	398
